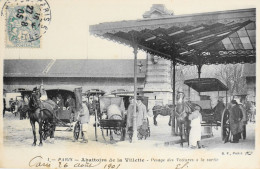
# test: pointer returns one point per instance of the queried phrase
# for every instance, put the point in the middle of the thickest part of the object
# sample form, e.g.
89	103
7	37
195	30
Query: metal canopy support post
226	98
199	72
173	96
134	138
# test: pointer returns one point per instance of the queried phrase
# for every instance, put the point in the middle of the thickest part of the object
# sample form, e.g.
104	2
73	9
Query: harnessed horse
162	110
42	112
182	111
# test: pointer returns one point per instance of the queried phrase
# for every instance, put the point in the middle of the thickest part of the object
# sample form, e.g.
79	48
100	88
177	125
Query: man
235	118
141	112
71	105
44	96
83	117
219	108
60	101
130	112
241	103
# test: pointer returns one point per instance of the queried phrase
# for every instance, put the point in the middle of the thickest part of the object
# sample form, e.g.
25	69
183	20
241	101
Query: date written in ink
111	166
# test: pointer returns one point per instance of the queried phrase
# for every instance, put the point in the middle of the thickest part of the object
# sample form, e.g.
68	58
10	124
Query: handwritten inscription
38	162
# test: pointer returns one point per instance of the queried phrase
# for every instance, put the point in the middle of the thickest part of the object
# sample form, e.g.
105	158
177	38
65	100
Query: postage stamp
26	22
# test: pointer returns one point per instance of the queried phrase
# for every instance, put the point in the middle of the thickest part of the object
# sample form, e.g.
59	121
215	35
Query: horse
42	112
162	110
182	111
23	108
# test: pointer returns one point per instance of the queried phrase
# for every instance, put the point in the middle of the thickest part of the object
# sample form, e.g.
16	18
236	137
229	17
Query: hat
233	102
220	98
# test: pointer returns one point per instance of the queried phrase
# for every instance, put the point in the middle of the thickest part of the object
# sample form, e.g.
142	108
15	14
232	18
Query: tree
231	75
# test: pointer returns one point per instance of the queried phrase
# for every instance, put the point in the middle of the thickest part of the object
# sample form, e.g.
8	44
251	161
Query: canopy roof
206	84
205	38
94	92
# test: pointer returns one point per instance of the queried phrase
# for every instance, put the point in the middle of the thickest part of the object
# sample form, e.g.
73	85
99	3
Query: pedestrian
70	104
83	118
195	131
235	118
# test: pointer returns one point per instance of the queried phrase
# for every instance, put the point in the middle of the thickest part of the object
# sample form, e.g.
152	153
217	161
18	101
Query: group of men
69	103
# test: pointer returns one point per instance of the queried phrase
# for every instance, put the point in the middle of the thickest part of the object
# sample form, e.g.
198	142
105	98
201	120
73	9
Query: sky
68	34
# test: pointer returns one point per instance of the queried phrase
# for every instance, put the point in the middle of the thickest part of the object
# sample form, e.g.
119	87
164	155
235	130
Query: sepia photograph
129	84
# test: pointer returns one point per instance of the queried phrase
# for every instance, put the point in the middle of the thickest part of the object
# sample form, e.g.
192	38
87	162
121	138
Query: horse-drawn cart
111	117
65	115
217	116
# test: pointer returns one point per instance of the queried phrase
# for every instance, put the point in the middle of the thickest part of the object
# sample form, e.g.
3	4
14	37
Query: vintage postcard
129	84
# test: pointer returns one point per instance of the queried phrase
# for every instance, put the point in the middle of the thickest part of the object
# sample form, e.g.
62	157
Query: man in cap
235	118
83	117
141	112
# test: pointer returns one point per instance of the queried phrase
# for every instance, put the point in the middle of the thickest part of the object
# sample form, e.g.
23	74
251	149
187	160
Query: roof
205	38
249	70
120	68
206	84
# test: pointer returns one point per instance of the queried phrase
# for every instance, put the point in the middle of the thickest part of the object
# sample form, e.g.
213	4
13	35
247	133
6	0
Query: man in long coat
235	117
219	108
141	113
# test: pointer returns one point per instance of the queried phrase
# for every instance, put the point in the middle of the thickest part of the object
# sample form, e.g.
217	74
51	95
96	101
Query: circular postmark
26	22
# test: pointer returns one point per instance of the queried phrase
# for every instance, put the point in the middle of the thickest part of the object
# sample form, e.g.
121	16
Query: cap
233	102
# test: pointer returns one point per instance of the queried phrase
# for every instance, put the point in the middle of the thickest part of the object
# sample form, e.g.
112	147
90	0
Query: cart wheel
225	128
76	130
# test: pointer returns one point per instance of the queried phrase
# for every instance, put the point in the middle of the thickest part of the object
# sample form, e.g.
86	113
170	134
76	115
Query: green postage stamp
26	22
23	26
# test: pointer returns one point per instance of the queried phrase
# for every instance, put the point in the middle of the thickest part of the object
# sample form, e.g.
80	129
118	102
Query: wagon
65	119
126	95
218	117
111	117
